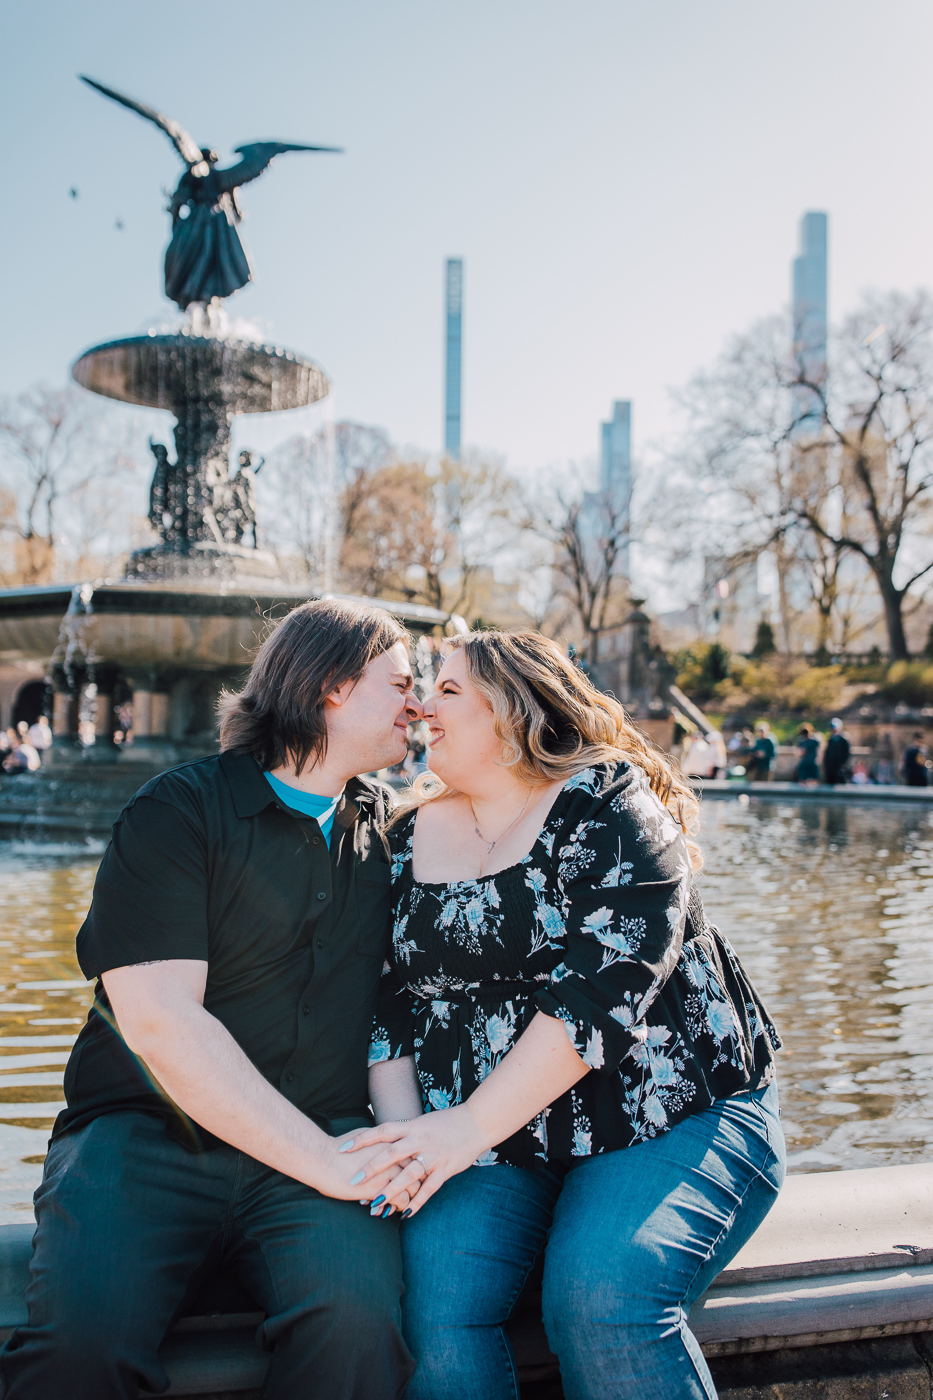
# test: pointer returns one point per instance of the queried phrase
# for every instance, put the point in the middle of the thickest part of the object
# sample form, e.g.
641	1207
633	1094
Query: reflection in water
829	907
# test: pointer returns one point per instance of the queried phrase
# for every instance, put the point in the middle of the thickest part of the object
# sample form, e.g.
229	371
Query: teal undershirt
307	803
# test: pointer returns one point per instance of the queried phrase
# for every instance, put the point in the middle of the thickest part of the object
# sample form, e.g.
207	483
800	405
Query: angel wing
257	156
184	144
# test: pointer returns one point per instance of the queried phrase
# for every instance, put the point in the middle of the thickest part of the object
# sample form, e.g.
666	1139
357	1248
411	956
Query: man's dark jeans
127	1217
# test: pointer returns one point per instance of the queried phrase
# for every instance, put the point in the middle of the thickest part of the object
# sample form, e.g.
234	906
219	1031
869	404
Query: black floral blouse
600	926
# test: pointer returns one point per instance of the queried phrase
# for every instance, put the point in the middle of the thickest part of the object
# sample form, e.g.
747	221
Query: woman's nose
427	709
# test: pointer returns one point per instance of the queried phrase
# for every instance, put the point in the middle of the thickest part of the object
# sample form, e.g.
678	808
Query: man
238	928
915	762
836	755
764	752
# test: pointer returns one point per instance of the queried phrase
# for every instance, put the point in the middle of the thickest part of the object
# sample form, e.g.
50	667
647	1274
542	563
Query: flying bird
206	258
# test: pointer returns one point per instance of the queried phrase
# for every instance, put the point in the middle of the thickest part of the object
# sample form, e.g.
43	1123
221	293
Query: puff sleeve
624	877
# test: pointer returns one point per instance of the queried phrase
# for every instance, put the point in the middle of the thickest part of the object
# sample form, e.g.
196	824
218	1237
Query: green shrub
817	690
909	682
701	669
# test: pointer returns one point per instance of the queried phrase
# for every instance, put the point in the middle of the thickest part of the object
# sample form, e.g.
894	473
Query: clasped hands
425	1152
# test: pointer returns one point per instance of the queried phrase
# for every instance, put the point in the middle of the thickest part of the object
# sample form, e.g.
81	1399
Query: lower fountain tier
198	626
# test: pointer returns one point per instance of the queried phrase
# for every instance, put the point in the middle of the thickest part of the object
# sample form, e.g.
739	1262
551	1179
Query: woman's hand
341	1175
435	1147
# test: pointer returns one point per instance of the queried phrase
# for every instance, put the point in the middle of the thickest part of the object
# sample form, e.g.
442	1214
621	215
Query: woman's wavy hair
553	722
279	714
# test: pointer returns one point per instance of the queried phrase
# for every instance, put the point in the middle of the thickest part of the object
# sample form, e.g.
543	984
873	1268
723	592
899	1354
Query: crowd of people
820	760
22	746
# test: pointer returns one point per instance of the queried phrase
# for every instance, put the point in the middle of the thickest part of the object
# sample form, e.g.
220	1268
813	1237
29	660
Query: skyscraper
615	465
454	371
810	317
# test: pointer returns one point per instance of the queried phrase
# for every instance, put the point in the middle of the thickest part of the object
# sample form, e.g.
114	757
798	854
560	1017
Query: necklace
491	845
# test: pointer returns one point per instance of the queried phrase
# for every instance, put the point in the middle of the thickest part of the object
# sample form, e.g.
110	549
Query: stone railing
831	1298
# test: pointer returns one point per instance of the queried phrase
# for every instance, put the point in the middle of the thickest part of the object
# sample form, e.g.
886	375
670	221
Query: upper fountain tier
170	370
204	517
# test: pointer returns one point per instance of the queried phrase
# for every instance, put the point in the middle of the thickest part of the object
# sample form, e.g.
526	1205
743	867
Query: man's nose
413	708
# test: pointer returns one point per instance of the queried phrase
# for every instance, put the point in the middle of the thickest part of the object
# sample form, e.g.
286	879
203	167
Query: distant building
615	466
453	377
810	316
604	514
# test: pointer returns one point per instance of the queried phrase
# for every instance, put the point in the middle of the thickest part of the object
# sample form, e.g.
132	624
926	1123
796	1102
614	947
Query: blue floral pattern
600	926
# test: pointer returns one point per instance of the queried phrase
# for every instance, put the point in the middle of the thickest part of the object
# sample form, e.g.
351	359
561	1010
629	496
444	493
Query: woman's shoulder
602	781
615	799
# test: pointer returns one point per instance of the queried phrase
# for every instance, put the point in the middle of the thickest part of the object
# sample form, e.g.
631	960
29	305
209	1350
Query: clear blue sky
623	180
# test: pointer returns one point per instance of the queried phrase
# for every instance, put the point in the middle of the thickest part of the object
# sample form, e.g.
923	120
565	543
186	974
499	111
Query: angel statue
206	258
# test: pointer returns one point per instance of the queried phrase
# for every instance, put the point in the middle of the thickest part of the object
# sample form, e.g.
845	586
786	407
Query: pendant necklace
491	845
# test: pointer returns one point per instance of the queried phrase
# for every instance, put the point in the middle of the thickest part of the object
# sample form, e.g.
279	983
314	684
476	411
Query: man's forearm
200	1066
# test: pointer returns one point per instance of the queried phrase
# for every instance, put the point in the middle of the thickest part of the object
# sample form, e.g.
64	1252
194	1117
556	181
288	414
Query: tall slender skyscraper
810	317
454	369
615	468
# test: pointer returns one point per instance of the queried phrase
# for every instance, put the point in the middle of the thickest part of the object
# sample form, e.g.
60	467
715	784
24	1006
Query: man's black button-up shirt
206	863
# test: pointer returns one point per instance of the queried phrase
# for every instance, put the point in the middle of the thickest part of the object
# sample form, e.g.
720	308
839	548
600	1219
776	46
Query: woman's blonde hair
553	722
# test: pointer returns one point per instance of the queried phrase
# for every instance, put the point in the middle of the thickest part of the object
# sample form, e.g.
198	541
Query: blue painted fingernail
379	1200
346	1146
406	1213
388	1211
357	1179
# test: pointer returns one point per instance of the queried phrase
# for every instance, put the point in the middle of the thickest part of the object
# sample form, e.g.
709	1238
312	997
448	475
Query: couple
566	1052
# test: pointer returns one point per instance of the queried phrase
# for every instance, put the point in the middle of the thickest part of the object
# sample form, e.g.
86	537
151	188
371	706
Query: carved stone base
202	562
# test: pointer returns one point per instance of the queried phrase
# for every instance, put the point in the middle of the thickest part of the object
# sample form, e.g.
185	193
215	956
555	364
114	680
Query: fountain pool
830	907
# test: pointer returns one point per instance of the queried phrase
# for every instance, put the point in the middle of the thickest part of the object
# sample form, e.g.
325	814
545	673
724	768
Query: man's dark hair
279	714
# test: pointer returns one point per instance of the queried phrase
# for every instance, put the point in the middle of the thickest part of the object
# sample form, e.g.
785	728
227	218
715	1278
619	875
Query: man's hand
435	1146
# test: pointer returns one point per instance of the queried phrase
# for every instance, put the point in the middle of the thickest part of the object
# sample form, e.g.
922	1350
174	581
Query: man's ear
338	695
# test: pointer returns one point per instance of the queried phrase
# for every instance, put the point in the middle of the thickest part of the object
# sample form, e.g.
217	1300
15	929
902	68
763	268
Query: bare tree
878	411
818	472
303	480
588	533
427	532
65	460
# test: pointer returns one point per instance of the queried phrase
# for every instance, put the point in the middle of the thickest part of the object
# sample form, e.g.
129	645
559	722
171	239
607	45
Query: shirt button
290	1076
321	894
315	840
306	1009
320	943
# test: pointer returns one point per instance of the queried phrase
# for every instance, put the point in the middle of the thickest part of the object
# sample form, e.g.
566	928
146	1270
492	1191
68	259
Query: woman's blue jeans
632	1239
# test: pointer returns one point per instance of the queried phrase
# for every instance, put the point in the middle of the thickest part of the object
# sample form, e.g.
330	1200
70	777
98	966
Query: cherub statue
206	258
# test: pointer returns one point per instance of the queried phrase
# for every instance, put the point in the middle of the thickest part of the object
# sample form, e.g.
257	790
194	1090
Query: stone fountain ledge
831	1298
870	793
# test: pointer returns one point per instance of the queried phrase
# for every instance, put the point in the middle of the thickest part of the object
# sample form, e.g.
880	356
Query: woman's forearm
393	1090
540	1067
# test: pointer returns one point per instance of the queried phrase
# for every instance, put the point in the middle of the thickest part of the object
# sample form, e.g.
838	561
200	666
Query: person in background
22	757
836	755
39	734
860	775
807	772
764	752
914	763
699	760
884	765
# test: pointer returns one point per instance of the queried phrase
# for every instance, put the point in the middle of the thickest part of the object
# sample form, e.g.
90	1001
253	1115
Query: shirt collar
252	794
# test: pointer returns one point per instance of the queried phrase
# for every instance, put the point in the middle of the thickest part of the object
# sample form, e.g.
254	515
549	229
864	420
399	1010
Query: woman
808	746
580	1033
